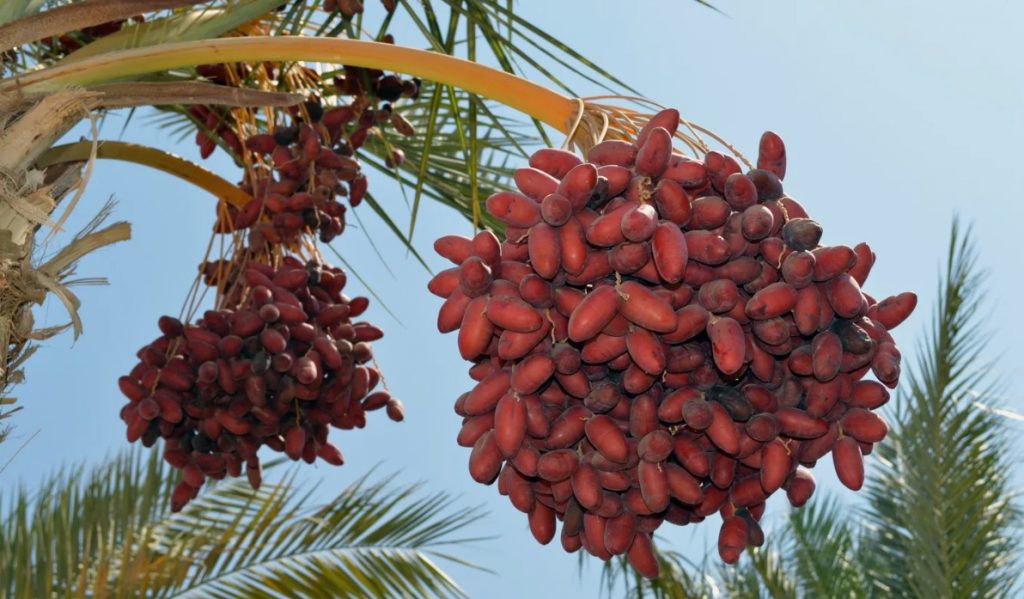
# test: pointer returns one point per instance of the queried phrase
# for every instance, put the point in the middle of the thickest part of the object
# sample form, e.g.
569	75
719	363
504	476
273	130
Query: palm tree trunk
28	197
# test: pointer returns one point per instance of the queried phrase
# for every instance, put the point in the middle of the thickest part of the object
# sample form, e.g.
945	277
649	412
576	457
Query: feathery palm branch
109	532
815	555
680	578
941	518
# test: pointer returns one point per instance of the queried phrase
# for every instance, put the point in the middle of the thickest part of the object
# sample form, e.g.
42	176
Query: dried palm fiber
28	197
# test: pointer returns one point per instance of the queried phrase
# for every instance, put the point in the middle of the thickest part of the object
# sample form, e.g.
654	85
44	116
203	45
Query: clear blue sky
895	115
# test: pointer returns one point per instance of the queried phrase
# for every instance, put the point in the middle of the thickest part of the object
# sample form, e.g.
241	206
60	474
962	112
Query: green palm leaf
370	541
942	515
75	525
109	532
815	555
680	578
762	575
822	543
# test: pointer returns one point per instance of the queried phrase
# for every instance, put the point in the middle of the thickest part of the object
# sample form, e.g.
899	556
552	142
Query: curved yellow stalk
541	103
151	157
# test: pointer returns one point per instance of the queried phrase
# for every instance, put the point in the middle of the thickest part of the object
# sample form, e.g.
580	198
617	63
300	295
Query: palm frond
439	162
200	23
679	578
428	139
942	515
822	544
489	16
370	541
75	525
109	532
814	555
764	573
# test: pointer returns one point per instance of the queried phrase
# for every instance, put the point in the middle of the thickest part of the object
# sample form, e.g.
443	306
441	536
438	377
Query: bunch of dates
278	370
217	124
309	166
659	338
301	193
300	171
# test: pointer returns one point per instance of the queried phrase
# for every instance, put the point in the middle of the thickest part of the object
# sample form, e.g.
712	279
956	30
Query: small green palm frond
814	555
761	574
942	515
196	24
75	526
824	552
437	158
679	578
515	41
372	540
109	532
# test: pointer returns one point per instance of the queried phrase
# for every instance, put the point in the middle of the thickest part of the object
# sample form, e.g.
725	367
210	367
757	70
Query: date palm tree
109	531
939	518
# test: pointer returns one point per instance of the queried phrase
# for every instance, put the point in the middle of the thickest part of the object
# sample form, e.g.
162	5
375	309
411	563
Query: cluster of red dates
279	369
281	359
660	338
